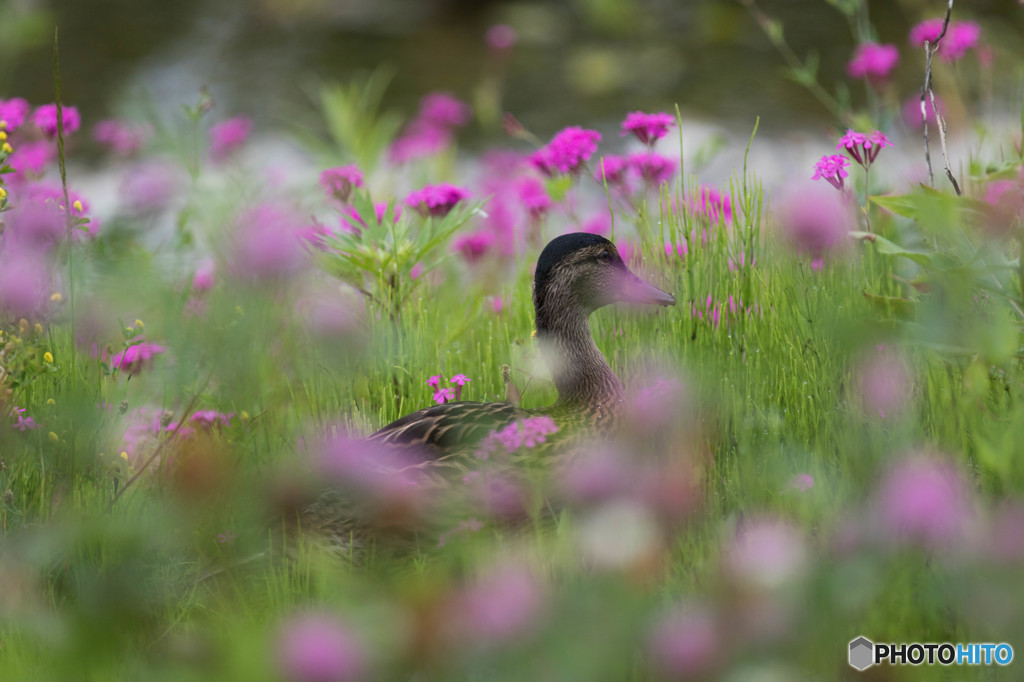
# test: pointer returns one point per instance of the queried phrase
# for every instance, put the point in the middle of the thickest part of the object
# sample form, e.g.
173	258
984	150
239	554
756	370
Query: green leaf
902	205
893	306
888	248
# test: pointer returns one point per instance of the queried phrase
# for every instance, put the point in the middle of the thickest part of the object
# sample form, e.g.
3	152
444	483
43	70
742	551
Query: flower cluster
648	128
566	152
229	136
862	147
651	168
122	137
873	61
832	168
432	129
436	200
339	182
960	37
444	394
525	433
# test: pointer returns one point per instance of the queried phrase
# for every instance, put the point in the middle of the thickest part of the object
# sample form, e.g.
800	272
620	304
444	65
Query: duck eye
604	255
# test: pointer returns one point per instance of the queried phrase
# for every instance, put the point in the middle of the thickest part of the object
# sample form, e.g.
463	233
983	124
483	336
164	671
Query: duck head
578	273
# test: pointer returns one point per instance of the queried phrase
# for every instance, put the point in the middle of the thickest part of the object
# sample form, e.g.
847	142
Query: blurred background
575	61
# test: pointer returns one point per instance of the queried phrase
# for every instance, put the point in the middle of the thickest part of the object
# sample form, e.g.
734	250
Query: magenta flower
45	118
122	137
816	220
926	31
31	159
228	136
460	380
528	433
505	604
567	151
873	61
267	244
21	422
883	383
24	283
444	395
534	197
653	168
14	111
611	169
924	500
686	644
36	224
501	37
766	553
339	182
436	200
444	111
434	381
209	419
317	647
205	276
648	128
833	169
148	187
136	358
419	141
600	224
960	37
713	204
353	223
801	483
862	147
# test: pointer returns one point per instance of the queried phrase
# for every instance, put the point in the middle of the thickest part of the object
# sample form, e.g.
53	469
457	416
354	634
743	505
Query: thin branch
927	91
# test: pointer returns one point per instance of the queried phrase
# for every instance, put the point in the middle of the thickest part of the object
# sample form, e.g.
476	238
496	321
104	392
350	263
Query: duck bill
635	290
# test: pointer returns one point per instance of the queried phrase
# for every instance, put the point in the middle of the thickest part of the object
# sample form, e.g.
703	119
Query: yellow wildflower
7	148
77	205
3	135
138	323
38	328
51	402
3	193
56	297
53	437
124	456
48	357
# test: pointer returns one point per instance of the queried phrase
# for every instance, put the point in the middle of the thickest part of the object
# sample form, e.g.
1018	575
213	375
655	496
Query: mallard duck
576	274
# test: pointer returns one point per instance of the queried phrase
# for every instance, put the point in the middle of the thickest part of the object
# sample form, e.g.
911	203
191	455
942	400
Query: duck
576	274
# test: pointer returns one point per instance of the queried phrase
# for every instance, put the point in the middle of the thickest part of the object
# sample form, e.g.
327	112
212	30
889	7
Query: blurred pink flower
339	182
816	220
31	159
926	31
611	169
383	475
35	224
205	276
474	246
602	474
501	37
14	111
209	419
267	244
444	395
228	136
873	61
960	37
444	111
534	197
679	250
599	224
801	483
148	187
317	647
122	137
1005	204
497	305
712	203
45	118
504	604
767	554
883	383
653	168
648	128
21	422
353	223
418	141
525	433
566	152
924	500
686	643
137	357
911	111
436	200
833	169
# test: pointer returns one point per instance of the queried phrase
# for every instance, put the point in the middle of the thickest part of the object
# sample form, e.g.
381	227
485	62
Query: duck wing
449	427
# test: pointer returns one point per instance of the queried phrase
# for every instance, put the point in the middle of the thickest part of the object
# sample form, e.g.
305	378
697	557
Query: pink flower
209	419
317	647
833	169
528	433
686	643
923	500
45	118
567	151
14	111
599	224
460	380
137	357
24	283
434	381
678	250
648	128
534	197
801	483
961	36
873	61
31	159
353	223
205	276
267	244
883	384
497	305
436	200
444	395
767	554
148	187
474	246
926	31
611	169
122	137
501	37
655	169
862	147
816	220
21	422
35	224
713	204
419	141
444	111
228	136
339	182
504	604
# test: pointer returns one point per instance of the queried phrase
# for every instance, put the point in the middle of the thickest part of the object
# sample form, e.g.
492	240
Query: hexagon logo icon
862	653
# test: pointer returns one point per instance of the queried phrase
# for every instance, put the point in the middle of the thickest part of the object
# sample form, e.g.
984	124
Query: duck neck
581	372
